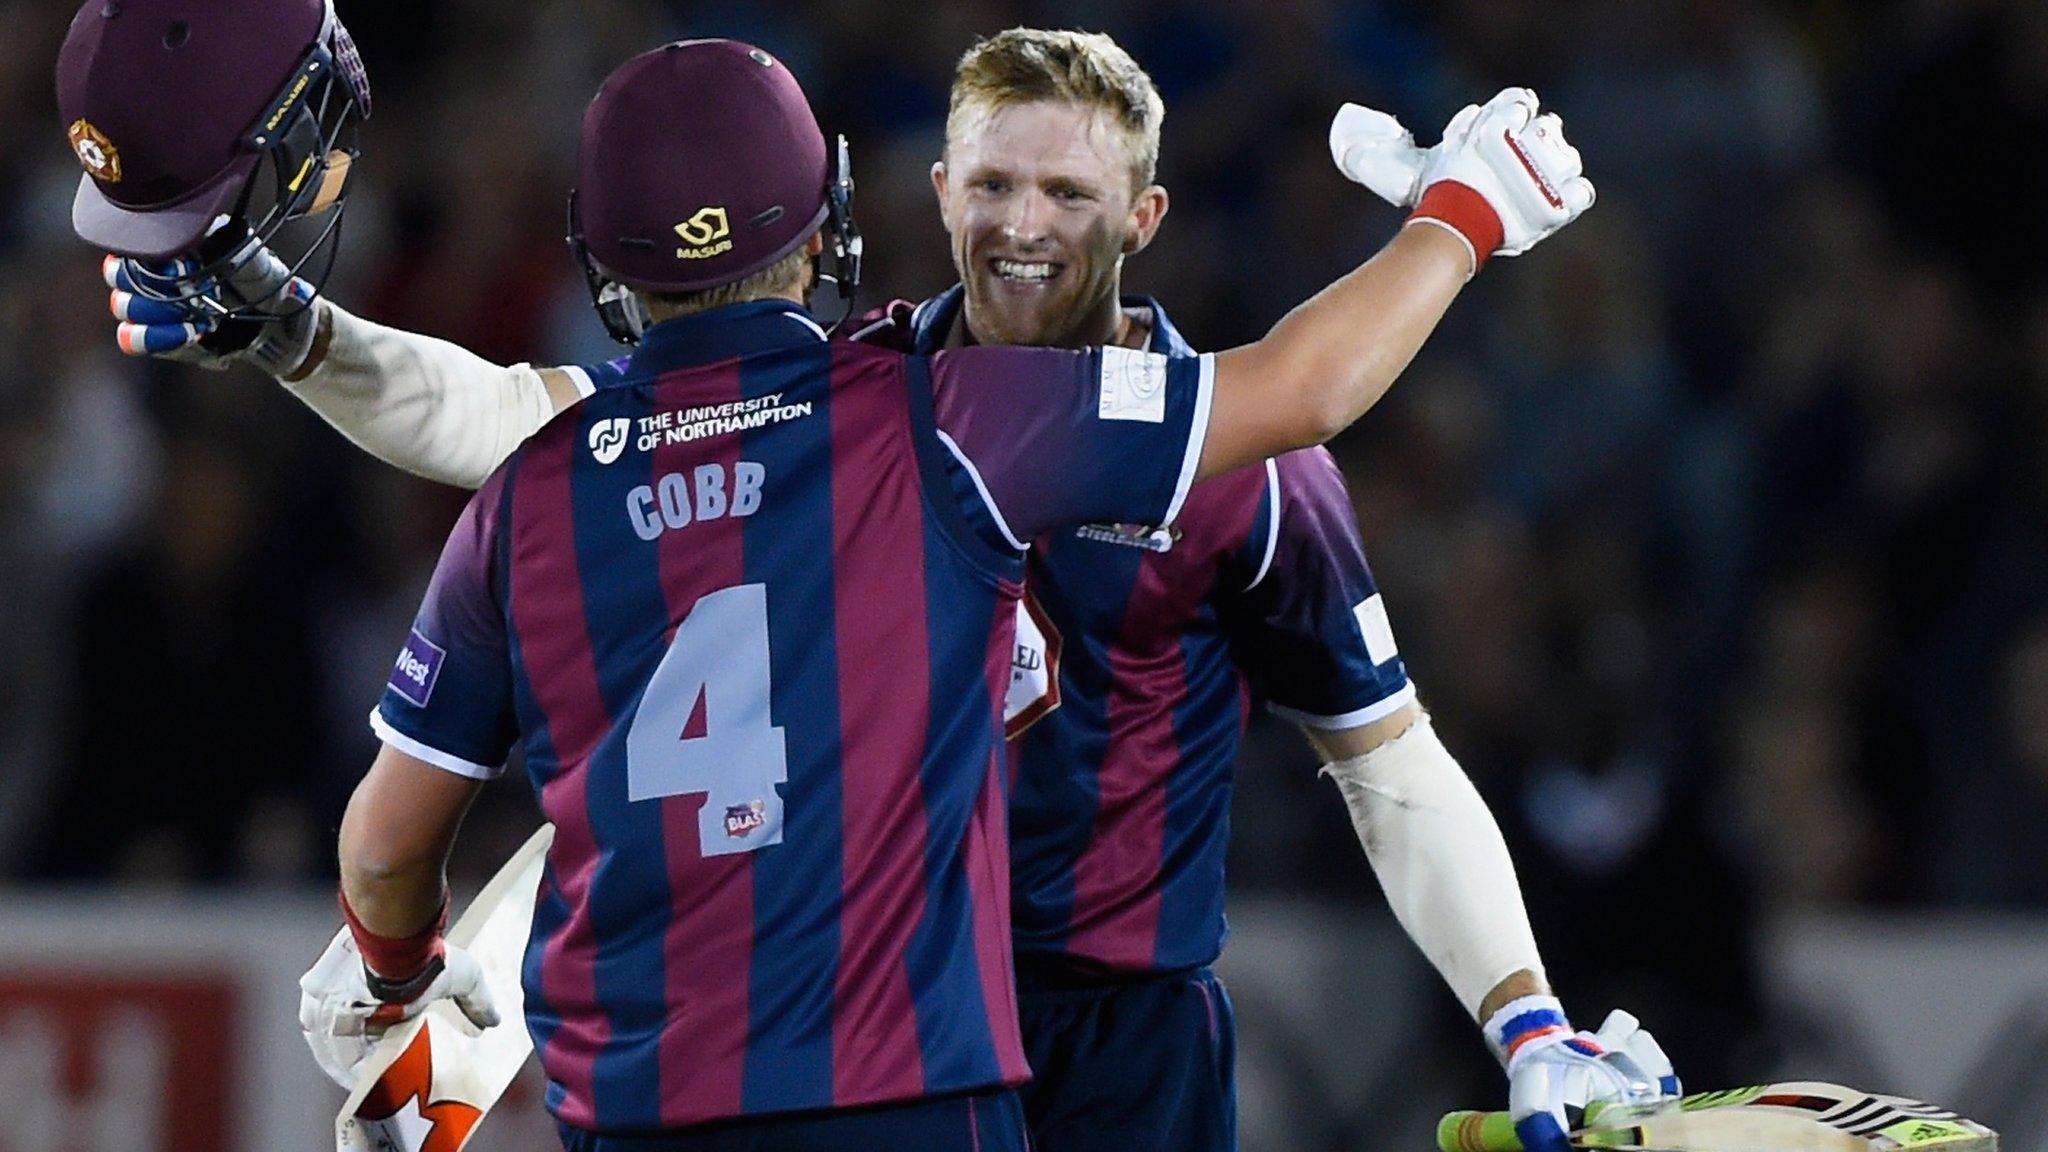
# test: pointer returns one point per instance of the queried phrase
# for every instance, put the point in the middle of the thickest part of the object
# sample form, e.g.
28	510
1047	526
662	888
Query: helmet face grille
349	62
292	202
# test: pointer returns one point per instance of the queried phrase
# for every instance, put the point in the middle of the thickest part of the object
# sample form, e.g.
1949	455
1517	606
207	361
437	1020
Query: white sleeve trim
428	753
980	486
1272	524
585	386
1198	433
1357	717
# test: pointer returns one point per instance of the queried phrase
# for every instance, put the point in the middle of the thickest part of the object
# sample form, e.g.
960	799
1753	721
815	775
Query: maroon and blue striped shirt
1138	650
748	610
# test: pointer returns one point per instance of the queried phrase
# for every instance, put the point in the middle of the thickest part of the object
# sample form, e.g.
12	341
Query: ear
1144	220
944	191
815	246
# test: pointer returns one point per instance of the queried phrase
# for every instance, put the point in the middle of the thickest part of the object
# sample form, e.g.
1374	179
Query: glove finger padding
135	309
1372	148
1515	108
1624	1036
467	987
165	340
1460	127
1535	1100
1504	177
169	311
342	1019
1527	177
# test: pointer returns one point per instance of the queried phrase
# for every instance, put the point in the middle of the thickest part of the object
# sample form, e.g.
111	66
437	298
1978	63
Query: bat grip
1473	1131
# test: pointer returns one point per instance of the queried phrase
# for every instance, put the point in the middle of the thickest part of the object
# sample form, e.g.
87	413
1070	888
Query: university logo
101	159
608	438
705	234
741	819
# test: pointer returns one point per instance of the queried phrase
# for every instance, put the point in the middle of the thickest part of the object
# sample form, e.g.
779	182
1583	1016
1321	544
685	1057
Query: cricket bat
1793	1116
428	1082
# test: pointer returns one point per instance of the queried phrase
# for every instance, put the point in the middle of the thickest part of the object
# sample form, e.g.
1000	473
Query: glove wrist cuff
396	963
404	991
1522	1021
1464	211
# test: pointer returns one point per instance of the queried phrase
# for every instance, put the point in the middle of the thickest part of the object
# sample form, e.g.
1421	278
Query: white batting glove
342	1018
1503	177
1555	1072
190	326
1373	149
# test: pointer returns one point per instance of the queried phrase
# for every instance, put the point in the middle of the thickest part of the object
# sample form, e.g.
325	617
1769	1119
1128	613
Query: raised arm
424	405
1502	179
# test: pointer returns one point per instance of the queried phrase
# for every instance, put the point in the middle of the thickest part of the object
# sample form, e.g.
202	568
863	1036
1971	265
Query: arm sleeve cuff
445	761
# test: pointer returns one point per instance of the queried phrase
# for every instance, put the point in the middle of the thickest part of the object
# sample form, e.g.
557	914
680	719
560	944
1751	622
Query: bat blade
428	1083
1791	1116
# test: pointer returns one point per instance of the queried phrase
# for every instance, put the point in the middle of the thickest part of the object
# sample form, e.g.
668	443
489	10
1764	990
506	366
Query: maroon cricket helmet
700	163
172	105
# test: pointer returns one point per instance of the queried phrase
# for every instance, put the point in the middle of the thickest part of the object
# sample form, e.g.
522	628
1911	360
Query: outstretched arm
430	407
424	405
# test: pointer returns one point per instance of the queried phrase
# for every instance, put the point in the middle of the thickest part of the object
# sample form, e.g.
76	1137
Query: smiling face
1038	200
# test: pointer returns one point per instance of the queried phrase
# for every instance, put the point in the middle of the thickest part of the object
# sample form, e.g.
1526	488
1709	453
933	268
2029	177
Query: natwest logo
418	666
412	667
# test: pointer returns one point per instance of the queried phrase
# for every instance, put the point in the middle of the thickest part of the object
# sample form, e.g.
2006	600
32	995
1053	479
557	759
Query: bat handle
1471	1131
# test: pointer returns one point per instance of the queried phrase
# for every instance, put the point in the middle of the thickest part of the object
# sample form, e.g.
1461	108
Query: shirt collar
723	334
934	319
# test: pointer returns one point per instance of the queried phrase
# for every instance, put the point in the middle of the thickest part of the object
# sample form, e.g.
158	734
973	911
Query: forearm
1332	358
396	903
421	404
1441	859
396	835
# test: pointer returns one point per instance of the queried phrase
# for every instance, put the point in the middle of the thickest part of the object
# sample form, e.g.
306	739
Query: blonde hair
1087	69
779	279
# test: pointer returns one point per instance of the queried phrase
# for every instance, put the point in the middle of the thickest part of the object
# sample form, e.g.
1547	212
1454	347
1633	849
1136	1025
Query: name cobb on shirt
705	492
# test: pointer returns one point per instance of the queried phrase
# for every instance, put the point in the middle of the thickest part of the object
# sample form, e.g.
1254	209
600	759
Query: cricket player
1125	746
1162	995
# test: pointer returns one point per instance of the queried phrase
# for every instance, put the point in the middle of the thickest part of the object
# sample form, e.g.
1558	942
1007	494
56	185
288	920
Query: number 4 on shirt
703	726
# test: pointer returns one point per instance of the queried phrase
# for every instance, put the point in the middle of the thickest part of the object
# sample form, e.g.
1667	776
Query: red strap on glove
397	959
1464	211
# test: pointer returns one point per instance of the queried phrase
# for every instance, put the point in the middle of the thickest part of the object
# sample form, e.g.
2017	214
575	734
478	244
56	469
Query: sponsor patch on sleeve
1373	624
1133	386
419	665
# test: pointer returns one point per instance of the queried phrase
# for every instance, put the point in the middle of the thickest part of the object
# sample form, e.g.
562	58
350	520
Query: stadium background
1715	533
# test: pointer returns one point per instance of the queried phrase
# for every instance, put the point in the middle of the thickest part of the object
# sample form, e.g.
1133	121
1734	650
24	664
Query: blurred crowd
1715	533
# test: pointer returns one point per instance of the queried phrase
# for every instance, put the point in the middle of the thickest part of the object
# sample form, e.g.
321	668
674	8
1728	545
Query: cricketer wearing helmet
1056	283
146	93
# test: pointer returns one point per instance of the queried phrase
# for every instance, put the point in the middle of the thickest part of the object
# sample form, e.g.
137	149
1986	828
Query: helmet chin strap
624	316
843	244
